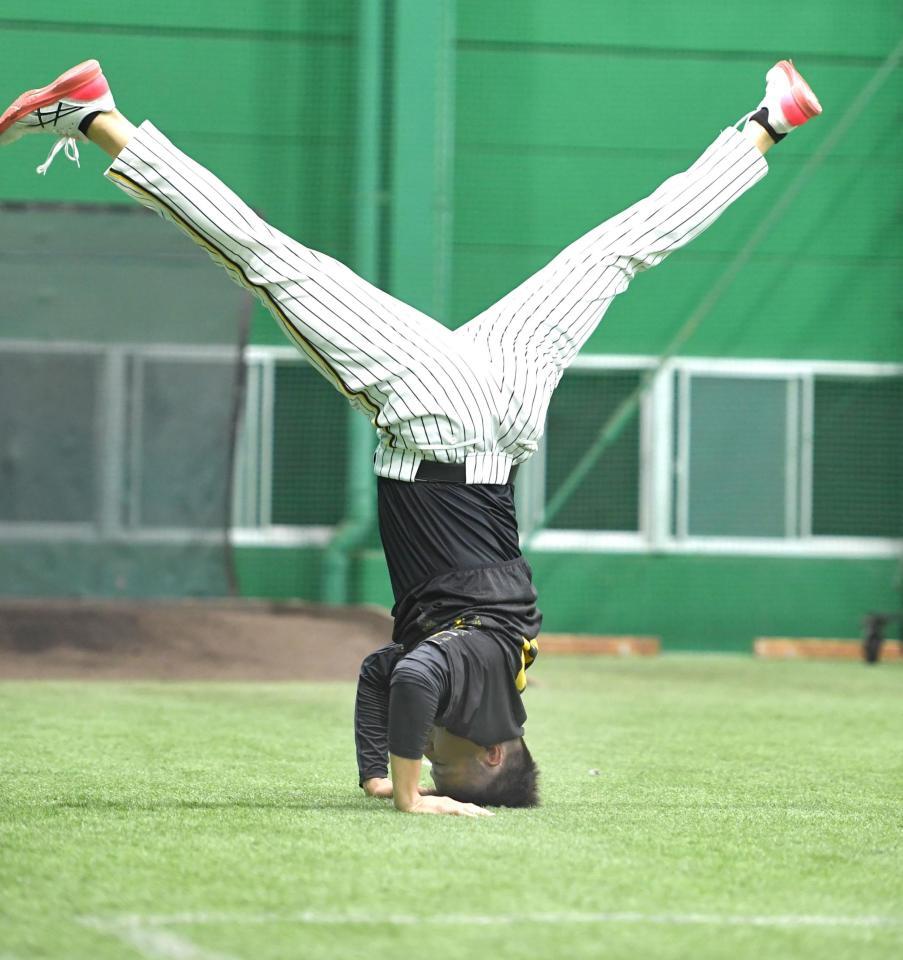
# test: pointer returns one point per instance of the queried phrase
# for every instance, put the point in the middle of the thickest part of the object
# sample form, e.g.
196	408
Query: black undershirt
459	579
452	552
431	528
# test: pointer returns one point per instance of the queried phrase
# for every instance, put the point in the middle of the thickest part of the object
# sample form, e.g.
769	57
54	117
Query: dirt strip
186	640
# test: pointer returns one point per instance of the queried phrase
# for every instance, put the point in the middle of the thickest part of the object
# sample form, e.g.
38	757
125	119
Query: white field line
312	917
151	940
147	934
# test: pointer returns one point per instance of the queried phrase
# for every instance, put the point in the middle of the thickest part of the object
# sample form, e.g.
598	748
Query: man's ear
494	755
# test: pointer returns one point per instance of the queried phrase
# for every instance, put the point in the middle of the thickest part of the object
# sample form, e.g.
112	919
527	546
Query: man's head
503	775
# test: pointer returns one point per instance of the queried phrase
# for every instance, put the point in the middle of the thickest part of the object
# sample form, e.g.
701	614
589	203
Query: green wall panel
124	570
280	131
288	152
181	79
569	112
831	310
281	17
540	100
712	602
729	30
371	579
539	200
278	574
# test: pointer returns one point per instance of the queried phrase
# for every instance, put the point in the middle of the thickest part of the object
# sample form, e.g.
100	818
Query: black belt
434	472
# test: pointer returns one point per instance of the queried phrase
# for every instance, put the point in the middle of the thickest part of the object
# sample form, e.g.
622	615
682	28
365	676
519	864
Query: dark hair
514	785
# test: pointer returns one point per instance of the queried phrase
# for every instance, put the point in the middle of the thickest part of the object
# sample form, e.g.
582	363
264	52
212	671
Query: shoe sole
64	85
801	95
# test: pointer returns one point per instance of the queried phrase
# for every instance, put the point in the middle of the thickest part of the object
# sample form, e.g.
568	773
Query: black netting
858	457
120	382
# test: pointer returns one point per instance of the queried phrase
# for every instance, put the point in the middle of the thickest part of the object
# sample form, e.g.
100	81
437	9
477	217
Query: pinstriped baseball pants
476	395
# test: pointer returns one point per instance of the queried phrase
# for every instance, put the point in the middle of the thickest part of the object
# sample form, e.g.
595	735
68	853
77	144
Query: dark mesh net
120	381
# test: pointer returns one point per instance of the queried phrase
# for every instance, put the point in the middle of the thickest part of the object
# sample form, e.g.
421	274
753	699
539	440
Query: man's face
457	762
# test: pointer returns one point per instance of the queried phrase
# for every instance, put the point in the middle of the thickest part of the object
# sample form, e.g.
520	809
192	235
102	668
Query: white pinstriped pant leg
420	385
533	333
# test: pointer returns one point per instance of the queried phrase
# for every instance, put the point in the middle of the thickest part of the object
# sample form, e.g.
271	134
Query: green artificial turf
741	809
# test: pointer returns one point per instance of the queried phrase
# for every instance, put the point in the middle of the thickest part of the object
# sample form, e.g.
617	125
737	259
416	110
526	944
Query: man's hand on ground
378	787
454	808
382	787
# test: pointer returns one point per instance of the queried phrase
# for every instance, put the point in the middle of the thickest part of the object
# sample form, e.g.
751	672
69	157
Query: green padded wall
262	93
569	111
565	112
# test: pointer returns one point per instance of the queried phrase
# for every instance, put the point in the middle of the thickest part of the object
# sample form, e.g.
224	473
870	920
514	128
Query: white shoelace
64	143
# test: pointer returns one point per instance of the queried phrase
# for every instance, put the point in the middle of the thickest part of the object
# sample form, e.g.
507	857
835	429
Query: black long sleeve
398	699
419	692
371	712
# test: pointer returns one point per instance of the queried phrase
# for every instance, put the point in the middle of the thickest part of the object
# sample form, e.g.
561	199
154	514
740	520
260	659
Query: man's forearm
395	708
410	799
405	782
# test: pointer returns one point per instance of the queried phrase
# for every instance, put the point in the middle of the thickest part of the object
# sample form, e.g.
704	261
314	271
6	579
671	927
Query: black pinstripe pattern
478	396
423	370
133	187
339	358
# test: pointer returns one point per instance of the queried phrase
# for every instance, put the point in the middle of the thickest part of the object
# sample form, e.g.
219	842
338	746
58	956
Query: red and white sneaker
790	101
58	109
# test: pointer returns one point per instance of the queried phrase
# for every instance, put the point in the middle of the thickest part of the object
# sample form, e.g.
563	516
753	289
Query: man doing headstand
456	412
